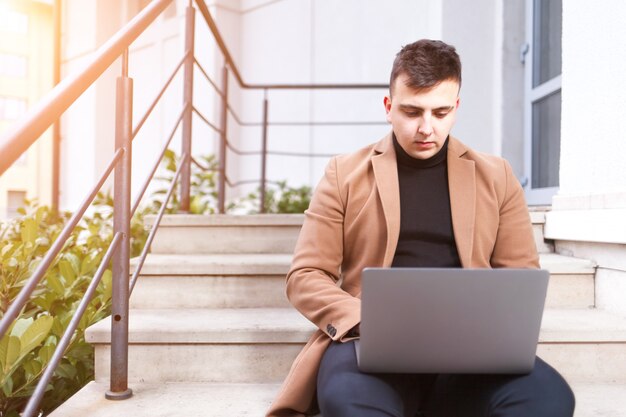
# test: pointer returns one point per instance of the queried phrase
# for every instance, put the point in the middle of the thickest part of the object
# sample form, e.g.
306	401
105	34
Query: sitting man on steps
418	198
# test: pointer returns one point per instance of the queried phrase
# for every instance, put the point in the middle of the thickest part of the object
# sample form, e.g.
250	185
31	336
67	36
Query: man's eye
441	115
411	114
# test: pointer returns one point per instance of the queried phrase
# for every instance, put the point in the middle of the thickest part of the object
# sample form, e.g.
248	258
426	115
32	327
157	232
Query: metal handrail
22	298
158	161
71	328
55	103
157	222
159	95
230	63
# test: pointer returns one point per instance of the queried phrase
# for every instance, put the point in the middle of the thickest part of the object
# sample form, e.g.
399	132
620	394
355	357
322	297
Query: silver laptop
418	320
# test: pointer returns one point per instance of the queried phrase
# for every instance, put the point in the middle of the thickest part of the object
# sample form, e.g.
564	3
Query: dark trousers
344	391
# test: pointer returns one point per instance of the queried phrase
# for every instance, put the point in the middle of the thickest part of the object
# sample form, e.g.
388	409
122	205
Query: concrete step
259	345
228	400
538	219
211	281
258	280
261	233
572	281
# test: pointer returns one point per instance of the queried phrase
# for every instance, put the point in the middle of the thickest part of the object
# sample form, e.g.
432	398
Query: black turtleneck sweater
426	237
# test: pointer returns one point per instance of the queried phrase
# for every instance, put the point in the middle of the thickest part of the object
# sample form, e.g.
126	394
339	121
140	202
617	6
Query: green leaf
74	261
45	353
20	326
90	262
107	284
29	230
35	334
67	272
66	370
7	388
32	368
54	283
10	353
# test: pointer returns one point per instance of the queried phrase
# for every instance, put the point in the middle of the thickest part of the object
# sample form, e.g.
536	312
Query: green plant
28	346
203	193
279	197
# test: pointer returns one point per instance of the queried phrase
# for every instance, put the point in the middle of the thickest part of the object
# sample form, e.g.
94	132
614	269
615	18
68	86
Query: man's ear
458	102
387	103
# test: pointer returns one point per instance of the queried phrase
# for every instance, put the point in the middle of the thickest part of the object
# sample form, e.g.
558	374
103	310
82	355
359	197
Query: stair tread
286	325
227	400
200	264
278	263
192	220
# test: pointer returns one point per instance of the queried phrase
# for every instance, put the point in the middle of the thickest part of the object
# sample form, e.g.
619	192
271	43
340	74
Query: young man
421	198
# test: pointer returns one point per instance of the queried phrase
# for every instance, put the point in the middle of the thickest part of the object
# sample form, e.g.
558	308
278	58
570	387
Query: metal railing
52	106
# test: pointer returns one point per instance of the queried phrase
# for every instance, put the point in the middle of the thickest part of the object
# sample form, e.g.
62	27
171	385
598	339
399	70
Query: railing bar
231	64
234	114
54	104
204	119
204	10
202	167
146	248
22	298
158	162
238	152
35	399
158	97
215	87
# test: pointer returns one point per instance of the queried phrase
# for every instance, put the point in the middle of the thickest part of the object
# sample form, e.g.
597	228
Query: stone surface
242	400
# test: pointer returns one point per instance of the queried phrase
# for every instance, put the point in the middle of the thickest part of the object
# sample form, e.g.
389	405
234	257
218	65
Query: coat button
331	330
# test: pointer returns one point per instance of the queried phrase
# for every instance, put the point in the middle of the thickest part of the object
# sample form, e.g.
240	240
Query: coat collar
461	183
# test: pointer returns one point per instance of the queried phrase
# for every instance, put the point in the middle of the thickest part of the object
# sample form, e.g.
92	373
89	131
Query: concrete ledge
594	225
221	264
241	400
559	264
286	325
194	220
210	326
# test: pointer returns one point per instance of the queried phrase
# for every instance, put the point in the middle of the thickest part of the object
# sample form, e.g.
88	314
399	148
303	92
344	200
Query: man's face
422	120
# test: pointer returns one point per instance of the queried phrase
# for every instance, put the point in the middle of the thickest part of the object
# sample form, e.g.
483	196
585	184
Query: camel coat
353	222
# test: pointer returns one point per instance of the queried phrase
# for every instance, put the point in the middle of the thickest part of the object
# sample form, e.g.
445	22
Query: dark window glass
546	141
546	40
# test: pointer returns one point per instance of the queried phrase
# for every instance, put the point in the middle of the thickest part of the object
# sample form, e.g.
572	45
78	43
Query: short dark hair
426	63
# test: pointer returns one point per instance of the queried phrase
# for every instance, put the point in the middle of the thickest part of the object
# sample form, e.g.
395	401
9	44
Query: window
13	22
13	65
15	200
11	108
543	99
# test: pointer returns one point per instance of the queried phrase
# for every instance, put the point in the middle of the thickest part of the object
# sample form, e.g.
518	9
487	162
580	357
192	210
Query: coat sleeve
515	244
312	279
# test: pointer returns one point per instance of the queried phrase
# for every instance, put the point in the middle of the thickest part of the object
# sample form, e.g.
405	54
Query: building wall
30	176
588	216
305	41
355	42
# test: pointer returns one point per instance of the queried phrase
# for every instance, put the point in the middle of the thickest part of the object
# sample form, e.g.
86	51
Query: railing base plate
116	396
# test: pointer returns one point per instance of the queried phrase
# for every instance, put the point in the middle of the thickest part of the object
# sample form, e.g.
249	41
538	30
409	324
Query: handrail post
221	184
263	155
56	129
121	223
185	179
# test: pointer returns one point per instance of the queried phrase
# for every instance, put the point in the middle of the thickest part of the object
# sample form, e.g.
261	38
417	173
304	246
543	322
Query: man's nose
425	126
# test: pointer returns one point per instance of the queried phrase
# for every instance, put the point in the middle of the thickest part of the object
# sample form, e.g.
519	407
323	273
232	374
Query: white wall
321	41
475	29
593	126
290	41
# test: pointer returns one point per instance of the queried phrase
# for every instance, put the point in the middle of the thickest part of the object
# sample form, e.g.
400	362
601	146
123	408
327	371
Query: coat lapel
462	185
386	174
